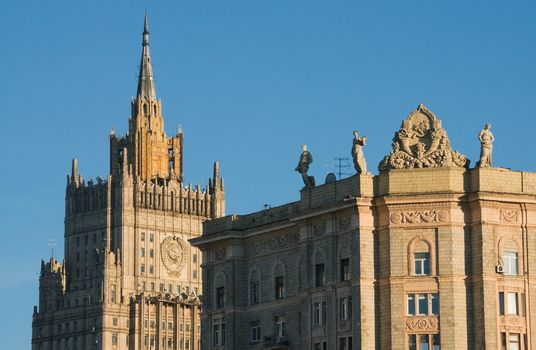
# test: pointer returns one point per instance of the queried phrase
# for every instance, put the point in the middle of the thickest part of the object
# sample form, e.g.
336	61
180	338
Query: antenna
342	163
52	244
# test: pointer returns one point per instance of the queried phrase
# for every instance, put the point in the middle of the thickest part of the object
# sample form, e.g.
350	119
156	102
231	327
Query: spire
146	88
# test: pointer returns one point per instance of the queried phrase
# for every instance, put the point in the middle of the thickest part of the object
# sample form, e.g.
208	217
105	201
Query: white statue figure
486	144
358	143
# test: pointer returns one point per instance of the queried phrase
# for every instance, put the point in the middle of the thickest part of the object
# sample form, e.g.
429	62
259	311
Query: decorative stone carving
172	251
220	254
508	215
429	324
344	223
303	167
277	243
419	217
486	145
319	229
421	142
358	143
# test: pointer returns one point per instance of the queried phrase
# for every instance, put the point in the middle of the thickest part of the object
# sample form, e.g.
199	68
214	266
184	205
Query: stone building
428	254
130	279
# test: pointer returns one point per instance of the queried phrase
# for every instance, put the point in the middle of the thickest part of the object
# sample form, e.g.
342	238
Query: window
194	258
151	269
320	346
279	329
501	305
112	294
151	237
411	304
422	263
162	287
218	331
255	334
142	268
151	252
320	275
510	263
320	312
254	292
143	236
220	297
194	274
170	288
152	286
279	287
513	341
512	304
424	342
114	321
345	269
423	304
345	308
142	252
434	300
114	339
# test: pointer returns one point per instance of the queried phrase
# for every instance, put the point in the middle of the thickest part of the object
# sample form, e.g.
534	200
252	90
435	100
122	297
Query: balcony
275	343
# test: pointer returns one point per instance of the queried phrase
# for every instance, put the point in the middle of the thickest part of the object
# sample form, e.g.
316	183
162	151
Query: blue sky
249	81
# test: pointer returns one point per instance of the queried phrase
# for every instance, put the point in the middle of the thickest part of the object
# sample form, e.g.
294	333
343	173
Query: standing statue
303	167
486	144
360	164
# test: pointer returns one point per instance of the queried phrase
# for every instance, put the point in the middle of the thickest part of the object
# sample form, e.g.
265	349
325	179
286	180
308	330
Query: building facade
130	279
429	254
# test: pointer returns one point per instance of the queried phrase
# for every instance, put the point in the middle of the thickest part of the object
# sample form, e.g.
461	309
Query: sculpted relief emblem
419	217
508	215
172	249
421	142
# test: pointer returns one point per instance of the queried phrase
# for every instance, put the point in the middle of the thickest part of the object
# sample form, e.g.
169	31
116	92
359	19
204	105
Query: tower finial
146	88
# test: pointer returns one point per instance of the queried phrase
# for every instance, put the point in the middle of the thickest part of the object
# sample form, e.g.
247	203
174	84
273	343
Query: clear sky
249	81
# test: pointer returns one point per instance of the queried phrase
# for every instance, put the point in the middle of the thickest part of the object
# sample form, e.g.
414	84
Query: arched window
420	257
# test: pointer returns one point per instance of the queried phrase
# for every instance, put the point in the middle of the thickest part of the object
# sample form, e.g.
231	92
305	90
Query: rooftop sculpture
421	142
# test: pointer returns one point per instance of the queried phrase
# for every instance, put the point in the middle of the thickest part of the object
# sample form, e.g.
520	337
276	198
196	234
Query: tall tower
130	279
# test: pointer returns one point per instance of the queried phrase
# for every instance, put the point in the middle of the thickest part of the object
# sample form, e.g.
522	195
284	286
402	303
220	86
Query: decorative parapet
421	142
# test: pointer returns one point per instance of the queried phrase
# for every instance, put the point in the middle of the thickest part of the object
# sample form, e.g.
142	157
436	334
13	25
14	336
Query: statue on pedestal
360	164
303	167
486	144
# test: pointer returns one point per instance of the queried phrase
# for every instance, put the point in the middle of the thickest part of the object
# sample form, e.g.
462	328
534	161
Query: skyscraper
129	278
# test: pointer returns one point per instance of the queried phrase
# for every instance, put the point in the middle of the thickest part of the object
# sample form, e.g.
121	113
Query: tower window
510	263
422	263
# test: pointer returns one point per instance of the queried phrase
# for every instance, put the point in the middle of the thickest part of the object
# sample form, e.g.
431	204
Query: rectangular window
513	342
216	334
345	308
152	286
151	253
317	311
142	268
194	258
151	269
151	237
162	287
434	300
320	274
503	341
114	321
279	287
423	304
422	263
512	303
345	269
254	292
170	288
220	297
194	274
143	236
411	304
424	342
279	329
510	263
114	339
255	334
142	252
501	304
342	344
436	344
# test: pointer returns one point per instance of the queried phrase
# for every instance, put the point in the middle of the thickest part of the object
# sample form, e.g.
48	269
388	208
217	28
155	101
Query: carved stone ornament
421	142
220	253
277	243
428	324
419	217
173	258
319	229
508	215
344	223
